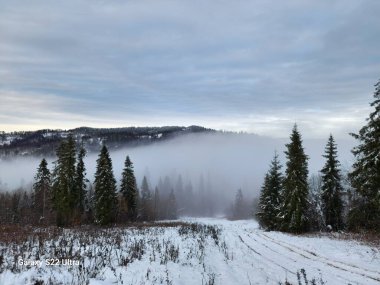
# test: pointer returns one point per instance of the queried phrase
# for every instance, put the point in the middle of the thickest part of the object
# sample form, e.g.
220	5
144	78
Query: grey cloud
195	59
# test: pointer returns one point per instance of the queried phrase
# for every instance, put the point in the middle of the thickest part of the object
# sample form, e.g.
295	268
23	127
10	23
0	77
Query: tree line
287	204
65	197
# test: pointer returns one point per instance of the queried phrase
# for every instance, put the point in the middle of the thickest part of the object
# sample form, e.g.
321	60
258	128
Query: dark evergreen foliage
365	176
171	207
105	201
332	204
129	189
146	203
157	205
42	192
79	196
64	186
295	199
269	203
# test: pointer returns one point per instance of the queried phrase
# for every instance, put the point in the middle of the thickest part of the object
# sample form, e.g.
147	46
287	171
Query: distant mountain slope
44	142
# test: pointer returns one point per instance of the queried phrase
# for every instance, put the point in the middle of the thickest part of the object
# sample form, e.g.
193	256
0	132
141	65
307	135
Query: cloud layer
256	66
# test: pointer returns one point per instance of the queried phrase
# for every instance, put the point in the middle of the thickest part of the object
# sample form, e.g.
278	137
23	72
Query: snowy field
200	251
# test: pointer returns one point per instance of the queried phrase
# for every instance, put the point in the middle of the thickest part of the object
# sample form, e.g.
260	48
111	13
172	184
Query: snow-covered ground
207	251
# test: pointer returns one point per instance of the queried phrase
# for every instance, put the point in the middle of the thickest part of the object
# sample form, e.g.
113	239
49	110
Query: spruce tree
238	212
157	208
332	204
365	176
269	204
79	196
295	199
146	201
179	191
189	199
105	201
171	207
64	181
129	189
42	191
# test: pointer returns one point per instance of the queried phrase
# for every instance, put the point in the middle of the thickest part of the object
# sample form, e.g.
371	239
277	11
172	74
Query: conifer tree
295	200
238	211
42	191
269	204
146	201
365	176
171	207
179	191
79	196
157	206
64	181
332	204
105	201
129	189
189	199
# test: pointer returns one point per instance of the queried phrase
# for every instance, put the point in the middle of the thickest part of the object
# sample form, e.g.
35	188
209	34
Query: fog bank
226	161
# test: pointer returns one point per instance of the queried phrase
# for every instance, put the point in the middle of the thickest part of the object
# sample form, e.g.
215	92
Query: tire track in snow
315	257
265	257
306	258
319	256
349	281
260	261
271	249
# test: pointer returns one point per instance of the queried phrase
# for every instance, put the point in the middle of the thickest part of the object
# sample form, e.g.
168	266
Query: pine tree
146	201
129	189
295	203
332	204
269	204
42	191
105	190
365	176
64	181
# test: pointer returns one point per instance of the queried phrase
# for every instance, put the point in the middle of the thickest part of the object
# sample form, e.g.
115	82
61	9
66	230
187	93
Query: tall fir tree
42	192
365	176
146	205
238	208
79	196
171	207
269	204
129	189
332	204
179	191
295	199
105	201
157	205
189	199
64	181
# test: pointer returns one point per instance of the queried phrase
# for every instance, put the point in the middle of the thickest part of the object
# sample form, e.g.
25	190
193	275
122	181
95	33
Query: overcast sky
256	66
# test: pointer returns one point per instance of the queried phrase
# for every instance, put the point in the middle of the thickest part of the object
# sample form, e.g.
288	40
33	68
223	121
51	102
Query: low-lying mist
226	162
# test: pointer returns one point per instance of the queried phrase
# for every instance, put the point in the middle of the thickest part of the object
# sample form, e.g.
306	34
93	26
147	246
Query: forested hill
45	142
